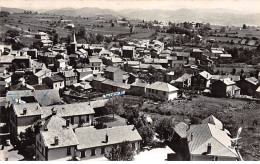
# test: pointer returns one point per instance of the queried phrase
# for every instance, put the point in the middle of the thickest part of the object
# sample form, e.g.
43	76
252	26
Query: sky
247	6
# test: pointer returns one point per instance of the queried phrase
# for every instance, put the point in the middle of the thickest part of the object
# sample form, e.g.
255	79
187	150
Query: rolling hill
218	16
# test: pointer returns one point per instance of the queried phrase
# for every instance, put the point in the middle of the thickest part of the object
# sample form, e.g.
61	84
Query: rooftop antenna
235	142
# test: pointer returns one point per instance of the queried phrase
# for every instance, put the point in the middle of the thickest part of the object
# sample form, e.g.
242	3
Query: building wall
58	85
29	120
162	95
96	85
70	80
98	151
88	119
199	82
129	54
60	153
136	90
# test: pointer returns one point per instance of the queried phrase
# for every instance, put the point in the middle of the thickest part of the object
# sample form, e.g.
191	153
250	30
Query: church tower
74	42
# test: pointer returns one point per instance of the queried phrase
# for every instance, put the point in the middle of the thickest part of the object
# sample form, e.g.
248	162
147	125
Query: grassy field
230	111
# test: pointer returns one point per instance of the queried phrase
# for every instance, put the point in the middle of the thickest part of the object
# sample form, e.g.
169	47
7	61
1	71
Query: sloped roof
196	50
66	110
47	97
213	120
206	75
139	84
98	103
162	86
69	73
252	80
99	78
56	78
95	60
128	48
90	137
112	69
181	129
203	134
133	62
228	81
32	109
44	97
6	59
225	55
42	72
183	78
56	128
258	89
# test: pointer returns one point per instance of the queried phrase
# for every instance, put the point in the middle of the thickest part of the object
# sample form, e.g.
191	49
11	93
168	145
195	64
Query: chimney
106	138
56	140
54	111
45	129
67	122
191	137
24	111
223	127
188	126
209	149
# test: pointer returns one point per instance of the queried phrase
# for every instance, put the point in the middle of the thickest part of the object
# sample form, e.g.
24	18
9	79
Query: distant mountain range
213	16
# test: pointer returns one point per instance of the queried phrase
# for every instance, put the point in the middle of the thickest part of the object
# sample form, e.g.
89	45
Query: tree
112	24
81	32
147	134
12	33
28	139
55	39
222	30
242	72
244	26
258	48
164	128
234	71
114	104
100	125
99	38
121	152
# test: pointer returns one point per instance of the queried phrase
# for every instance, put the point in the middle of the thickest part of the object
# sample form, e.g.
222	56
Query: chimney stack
209	149
106	138
191	137
24	111
67	122
54	111
56	140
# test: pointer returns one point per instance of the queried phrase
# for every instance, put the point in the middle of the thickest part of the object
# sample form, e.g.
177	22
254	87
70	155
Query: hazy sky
249	6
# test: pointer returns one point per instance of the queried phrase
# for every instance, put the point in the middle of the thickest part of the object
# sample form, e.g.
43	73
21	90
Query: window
72	120
164	93
87	118
133	145
156	92
102	150
215	158
68	150
82	154
93	152
55	85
